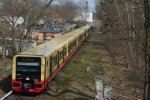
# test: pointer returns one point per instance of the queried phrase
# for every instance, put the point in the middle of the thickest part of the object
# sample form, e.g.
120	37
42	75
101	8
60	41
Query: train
34	69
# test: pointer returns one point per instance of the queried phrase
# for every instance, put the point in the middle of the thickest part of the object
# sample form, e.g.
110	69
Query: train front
27	74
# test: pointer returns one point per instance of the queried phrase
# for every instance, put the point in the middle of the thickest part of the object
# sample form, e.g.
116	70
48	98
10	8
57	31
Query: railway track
7	95
14	96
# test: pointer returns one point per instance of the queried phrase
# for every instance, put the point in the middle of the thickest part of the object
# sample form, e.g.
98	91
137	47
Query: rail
7	95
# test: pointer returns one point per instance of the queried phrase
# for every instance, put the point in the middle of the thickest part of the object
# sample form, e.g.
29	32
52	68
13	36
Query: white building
86	14
89	16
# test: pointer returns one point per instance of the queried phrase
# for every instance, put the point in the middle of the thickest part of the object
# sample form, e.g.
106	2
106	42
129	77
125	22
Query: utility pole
147	50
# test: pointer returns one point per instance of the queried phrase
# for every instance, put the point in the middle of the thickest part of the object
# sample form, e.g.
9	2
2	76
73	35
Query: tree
30	10
147	50
122	27
126	28
67	10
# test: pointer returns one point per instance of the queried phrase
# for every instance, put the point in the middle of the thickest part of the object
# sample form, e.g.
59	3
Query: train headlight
27	78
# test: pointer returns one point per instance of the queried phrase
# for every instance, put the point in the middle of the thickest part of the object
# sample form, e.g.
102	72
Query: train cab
26	75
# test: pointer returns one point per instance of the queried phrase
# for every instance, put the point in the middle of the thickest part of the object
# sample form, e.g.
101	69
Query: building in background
86	14
47	34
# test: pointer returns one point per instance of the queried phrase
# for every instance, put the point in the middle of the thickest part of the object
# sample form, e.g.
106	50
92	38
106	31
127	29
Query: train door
63	54
76	41
51	63
45	72
58	59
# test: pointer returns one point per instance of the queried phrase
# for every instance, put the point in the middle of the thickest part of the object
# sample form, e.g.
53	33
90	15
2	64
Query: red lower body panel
18	87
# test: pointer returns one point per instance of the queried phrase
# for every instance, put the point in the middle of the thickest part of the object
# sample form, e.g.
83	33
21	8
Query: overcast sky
91	4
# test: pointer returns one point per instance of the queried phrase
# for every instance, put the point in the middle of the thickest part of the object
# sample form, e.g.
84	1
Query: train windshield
28	66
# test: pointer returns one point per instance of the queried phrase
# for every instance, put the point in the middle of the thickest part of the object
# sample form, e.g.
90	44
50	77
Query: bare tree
67	10
122	24
10	12
147	50
30	10
127	32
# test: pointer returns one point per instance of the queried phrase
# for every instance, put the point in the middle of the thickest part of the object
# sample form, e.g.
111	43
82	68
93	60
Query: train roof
78	31
52	45
50	31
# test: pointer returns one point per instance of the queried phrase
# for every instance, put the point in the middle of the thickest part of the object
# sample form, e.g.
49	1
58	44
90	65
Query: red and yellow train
35	68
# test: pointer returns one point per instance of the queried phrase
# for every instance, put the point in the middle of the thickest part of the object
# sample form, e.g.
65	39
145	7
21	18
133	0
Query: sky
91	4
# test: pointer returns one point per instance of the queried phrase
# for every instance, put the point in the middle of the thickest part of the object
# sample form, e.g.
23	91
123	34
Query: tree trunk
147	51
13	47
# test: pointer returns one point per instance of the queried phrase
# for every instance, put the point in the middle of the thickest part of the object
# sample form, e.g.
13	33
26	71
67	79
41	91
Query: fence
6	48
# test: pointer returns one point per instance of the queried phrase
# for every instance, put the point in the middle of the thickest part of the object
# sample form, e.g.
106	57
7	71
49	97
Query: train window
64	52
71	45
76	41
85	33
61	55
28	66
47	62
50	65
54	61
80	38
58	59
